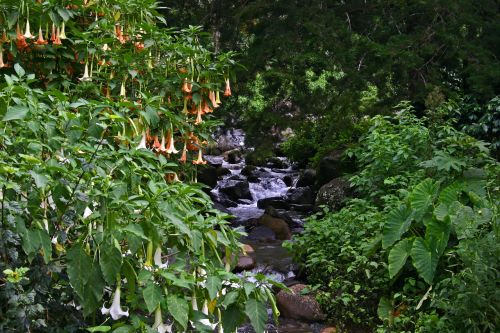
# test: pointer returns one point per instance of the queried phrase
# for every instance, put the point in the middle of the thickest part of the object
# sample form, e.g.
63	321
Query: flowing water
271	258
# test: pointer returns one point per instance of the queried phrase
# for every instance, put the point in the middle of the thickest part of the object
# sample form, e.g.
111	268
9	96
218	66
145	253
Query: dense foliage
102	223
418	250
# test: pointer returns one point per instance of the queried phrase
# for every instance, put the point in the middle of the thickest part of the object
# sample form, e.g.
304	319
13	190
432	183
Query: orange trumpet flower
199	160
2	65
40	40
183	158
198	116
227	92
186	87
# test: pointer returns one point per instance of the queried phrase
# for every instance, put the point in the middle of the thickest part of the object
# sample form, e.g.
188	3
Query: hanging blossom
157	259
86	77
2	64
142	144
115	310
40	40
227	92
62	34
27	32
200	158
159	325
170	143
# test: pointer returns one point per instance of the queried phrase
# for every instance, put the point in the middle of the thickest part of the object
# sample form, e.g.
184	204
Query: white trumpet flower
157	259
115	310
159	325
86	76
207	322
27	33
87	212
142	144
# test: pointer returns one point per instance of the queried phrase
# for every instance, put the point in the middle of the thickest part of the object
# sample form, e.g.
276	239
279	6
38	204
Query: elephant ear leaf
398	255
422	197
425	258
398	222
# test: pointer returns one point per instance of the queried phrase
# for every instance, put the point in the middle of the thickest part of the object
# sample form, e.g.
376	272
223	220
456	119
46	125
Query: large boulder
278	226
294	305
333	166
286	216
236	189
307	178
233	156
222	200
207	175
261	233
248	170
276	202
276	162
300	196
221	172
334	193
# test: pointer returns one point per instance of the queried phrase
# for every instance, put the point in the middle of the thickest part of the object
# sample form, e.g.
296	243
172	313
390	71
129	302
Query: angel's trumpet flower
27	32
206	108
227	92
53	33
123	92
157	258
159	325
142	144
183	158
40	40
217	98
2	65
20	39
170	144
162	148
62	34
106	47
5	38
198	116
213	99
115	310
186	87
200	158
156	143
57	41
206	322
86	76
185	109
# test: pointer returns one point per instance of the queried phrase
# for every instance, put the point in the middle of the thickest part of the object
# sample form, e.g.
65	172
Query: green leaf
257	314
99	329
179	309
398	222
152	296
230	298
232	318
40	180
110	262
16	112
384	310
213	286
398	255
19	70
425	258
79	267
422	197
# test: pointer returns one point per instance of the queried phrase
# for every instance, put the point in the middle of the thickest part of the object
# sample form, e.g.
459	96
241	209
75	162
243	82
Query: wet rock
307	178
333	194
248	249
245	201
245	263
207	175
233	156
288	180
276	202
284	215
302	208
276	162
236	189
236	177
215	161
333	166
223	200
294	305
329	329
261	233
300	196
253	179
248	170
277	225
221	172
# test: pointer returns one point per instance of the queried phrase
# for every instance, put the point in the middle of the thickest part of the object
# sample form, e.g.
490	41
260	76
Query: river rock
284	215
207	175
333	194
329	329
300	307
245	263
300	196
221	172
276	202
236	189
288	180
253	179
233	156
276	162
277	225
223	200
215	161
248	170
261	233
307	178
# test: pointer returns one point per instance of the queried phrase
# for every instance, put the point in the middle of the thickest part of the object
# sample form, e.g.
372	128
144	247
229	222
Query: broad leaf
422	197
398	222
79	266
257	314
398	255
16	112
425	258
384	310
179	309
213	285
110	262
152	296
